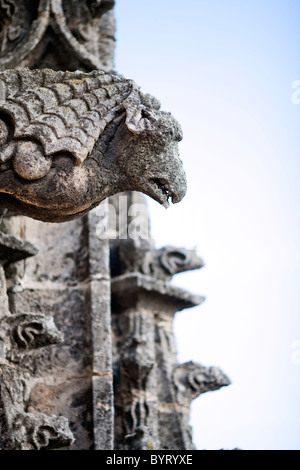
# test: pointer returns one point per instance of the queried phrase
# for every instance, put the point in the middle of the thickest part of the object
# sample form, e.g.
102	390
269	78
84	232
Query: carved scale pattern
65	111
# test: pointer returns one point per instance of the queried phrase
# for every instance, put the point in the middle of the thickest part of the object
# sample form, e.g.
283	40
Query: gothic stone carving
8	31
68	140
57	173
148	414
192	379
29	25
20	430
137	372
14	249
139	256
19	335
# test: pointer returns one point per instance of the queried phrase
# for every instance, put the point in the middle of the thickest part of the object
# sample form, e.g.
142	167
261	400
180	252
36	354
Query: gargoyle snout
180	184
169	186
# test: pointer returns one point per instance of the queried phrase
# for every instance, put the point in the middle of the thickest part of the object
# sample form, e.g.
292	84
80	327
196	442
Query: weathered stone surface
100	314
55	282
84	30
135	380
71	398
139	256
186	382
74	355
31	331
192	379
20	430
153	392
18	19
134	286
71	374
13	249
79	138
149	385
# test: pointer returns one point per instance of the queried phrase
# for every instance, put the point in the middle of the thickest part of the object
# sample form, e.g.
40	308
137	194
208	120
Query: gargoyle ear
141	117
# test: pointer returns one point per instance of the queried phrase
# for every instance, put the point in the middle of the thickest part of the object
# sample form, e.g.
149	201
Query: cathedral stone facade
87	353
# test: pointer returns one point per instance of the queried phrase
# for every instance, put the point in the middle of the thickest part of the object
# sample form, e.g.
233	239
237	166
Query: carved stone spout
68	140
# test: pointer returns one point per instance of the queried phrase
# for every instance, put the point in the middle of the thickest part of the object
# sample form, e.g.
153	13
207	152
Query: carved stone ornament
87	352
20	430
26	25
30	331
141	257
192	379
68	140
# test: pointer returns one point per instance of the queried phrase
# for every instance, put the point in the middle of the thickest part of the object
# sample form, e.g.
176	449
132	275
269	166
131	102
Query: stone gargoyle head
68	140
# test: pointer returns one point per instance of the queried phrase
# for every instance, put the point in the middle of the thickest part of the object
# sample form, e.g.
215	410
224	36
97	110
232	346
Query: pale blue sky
225	69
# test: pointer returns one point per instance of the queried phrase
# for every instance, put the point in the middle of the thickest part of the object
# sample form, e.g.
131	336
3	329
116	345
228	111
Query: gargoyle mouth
161	192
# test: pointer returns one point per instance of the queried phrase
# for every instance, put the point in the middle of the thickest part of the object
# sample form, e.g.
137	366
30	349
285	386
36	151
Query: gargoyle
68	140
